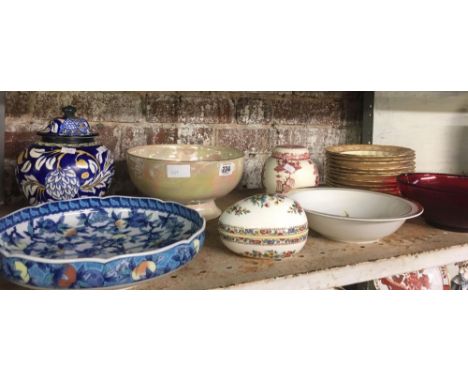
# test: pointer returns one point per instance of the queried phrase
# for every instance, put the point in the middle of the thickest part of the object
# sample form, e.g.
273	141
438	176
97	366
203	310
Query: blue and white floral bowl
97	242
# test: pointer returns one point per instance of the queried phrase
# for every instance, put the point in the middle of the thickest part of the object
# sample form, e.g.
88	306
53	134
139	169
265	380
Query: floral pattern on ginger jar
288	168
66	163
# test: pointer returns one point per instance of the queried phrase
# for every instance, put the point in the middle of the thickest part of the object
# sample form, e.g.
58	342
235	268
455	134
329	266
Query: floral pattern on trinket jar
267	226
66	163
289	167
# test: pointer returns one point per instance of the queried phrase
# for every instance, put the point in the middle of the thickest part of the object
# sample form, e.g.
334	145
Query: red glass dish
443	196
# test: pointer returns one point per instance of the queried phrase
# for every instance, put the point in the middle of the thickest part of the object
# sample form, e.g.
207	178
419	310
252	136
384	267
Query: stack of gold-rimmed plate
369	167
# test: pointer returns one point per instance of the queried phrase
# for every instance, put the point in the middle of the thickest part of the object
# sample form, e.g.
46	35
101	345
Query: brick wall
253	122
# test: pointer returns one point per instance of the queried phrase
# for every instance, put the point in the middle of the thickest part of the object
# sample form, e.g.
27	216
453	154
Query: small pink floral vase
289	167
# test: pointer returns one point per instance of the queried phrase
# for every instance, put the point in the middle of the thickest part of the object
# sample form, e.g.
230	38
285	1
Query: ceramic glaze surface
68	127
435	278
48	172
289	167
354	216
97	242
264	226
375	153
66	163
189	174
367	167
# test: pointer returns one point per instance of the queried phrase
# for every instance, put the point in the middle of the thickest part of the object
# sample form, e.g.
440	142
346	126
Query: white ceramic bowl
354	216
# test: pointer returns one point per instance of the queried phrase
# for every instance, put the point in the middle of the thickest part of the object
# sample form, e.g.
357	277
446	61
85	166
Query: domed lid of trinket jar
291	152
264	211
68	129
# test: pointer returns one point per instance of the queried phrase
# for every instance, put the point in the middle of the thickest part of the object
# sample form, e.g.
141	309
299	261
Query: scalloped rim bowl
354	216
98	242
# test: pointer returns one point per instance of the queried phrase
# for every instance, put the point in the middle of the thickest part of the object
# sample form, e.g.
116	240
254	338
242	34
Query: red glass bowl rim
401	180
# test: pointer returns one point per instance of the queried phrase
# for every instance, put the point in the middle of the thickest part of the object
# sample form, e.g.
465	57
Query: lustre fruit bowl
97	242
190	174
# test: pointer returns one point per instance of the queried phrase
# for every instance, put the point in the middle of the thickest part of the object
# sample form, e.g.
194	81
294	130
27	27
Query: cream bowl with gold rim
194	175
267	226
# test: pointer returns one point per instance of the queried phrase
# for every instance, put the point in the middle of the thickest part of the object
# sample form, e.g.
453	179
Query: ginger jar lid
264	211
291	152
68	129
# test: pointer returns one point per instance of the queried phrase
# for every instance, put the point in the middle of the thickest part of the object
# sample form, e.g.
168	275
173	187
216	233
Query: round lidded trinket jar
67	163
269	226
289	167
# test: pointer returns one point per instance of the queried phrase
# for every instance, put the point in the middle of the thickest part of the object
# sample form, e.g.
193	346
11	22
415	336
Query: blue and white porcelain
97	242
67	163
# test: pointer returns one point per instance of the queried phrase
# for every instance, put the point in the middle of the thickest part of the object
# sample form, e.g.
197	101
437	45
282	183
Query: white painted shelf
321	264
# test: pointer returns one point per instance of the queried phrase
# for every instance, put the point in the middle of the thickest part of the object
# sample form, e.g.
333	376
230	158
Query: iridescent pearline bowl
194	175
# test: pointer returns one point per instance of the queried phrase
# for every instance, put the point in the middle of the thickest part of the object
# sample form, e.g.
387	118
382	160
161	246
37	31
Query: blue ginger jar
66	163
